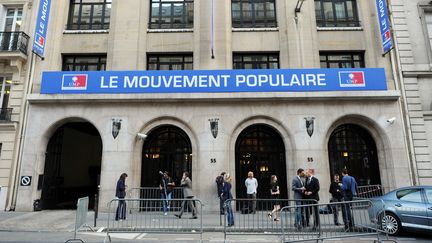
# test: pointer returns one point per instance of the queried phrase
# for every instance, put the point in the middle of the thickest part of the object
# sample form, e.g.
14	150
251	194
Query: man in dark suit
311	192
298	189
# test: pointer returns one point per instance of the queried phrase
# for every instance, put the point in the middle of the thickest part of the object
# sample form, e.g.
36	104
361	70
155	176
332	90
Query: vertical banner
41	27
384	23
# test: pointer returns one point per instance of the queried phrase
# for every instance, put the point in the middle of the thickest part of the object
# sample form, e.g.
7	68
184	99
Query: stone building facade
75	142
14	70
412	28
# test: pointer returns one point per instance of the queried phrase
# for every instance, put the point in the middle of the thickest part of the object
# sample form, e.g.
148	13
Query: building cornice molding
363	96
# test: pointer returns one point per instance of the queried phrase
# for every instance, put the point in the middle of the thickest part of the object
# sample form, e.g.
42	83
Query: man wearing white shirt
251	189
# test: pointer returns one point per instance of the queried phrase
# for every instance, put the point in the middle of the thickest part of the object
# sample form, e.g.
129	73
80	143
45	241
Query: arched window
167	148
260	149
351	146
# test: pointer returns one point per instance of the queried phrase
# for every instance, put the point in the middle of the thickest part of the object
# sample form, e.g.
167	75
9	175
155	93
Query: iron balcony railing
5	114
14	41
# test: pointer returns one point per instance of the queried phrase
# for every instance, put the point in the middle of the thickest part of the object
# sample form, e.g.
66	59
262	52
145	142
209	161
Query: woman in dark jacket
226	195
120	194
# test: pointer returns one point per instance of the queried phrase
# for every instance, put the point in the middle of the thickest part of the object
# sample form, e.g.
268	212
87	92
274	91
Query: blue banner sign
384	24
41	27
213	81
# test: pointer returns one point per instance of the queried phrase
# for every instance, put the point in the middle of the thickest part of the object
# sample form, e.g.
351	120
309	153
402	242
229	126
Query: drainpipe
213	31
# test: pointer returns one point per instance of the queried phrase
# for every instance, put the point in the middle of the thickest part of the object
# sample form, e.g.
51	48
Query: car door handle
430	208
398	205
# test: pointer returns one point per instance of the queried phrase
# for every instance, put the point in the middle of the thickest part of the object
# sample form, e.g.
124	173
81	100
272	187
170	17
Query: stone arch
380	138
71	164
278	127
152	125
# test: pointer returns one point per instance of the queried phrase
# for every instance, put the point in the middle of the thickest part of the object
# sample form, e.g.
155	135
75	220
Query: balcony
5	115
13	49
14	42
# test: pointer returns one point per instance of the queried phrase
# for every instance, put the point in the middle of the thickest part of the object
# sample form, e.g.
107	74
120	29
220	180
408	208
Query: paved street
58	226
51	237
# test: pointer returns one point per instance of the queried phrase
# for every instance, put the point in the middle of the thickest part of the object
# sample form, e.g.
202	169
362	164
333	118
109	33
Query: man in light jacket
251	191
186	183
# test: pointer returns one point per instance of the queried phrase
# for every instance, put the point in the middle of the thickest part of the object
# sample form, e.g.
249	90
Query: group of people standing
304	185
223	183
341	191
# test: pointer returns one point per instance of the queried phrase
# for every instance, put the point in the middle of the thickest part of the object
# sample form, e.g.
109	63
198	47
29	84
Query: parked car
408	208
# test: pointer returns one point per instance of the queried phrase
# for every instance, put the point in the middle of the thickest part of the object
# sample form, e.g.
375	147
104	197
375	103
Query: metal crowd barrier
327	226
370	191
153	193
259	222
147	216
81	217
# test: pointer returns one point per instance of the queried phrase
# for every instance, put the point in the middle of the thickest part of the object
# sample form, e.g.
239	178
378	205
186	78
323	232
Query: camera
391	120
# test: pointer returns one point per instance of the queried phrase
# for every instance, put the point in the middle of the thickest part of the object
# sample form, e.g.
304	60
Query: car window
409	195
429	195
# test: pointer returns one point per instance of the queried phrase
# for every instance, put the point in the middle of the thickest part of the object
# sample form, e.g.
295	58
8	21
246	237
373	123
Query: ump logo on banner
352	79
40	40
74	82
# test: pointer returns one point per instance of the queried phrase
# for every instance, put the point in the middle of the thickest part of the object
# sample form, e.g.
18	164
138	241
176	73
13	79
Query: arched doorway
72	166
166	148
351	146
260	149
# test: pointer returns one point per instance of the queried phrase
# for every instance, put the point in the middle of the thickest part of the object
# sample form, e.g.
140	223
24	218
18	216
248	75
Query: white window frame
423	11
3	89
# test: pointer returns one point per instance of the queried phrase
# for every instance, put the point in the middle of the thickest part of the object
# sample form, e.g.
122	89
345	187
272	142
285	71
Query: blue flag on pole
39	42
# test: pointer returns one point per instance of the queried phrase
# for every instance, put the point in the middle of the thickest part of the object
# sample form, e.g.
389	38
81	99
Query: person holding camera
336	192
166	187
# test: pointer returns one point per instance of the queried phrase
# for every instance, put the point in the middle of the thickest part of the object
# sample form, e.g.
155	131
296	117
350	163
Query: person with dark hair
227	196
298	189
336	192
121	194
274	193
166	187
186	183
219	186
349	191
311	192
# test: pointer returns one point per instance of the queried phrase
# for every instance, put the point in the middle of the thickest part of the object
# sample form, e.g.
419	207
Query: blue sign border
384	24
213	81
41	28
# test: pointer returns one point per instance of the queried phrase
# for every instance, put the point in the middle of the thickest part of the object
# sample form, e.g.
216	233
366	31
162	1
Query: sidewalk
64	220
58	226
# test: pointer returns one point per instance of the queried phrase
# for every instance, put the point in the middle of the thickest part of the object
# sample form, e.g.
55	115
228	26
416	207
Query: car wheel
390	224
